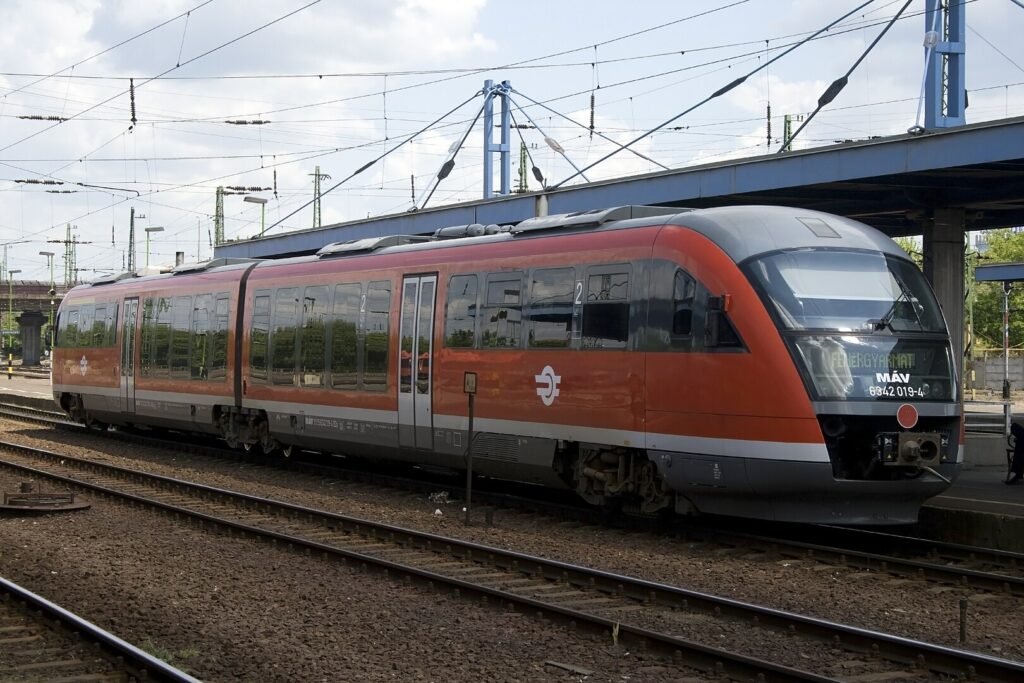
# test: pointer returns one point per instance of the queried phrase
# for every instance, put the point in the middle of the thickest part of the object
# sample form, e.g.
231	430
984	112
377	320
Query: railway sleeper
622	477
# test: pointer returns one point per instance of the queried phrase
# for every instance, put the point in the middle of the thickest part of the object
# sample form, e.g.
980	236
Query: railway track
634	611
978	568
41	641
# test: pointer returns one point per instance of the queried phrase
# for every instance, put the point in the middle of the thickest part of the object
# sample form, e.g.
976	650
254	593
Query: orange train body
696	361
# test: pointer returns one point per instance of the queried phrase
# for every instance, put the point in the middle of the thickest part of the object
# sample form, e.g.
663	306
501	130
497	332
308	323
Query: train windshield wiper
890	315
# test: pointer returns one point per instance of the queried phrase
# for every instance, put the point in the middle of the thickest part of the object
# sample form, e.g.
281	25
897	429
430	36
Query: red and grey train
761	362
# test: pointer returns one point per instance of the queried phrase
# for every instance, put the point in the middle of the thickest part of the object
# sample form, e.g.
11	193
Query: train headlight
938	390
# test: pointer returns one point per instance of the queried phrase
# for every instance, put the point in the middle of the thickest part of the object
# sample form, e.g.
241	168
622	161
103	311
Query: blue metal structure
1000	272
946	80
491	92
892	183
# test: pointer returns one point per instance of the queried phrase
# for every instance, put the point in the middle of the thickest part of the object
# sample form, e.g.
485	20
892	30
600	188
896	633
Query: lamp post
263	210
10	302
148	232
53	291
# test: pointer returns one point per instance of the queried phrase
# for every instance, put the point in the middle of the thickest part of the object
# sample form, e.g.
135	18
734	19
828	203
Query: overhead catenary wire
837	85
447	166
721	91
177	66
577	123
376	159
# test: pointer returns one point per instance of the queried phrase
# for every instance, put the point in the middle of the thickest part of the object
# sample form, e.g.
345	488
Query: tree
1004	246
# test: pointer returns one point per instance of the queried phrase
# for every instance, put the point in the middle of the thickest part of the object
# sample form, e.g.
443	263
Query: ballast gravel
219	605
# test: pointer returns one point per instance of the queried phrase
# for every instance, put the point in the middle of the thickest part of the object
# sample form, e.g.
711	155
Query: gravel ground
899	606
227	609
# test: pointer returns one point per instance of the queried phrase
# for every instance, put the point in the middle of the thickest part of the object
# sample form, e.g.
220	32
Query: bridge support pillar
30	324
944	268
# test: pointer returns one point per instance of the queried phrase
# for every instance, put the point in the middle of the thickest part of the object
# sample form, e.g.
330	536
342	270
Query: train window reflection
259	337
548	317
345	322
284	332
460	312
219	339
375	319
606	311
67	329
313	341
200	365
99	330
162	338
683	296
501	317
179	337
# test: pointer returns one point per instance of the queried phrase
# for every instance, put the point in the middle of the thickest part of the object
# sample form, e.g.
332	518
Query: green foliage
1004	246
911	246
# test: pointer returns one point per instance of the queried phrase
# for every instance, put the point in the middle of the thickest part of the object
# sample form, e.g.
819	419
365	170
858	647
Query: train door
415	361
131	312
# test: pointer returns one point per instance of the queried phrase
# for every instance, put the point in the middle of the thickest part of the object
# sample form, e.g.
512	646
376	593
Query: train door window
344	335
501	316
606	308
548	316
181	313
259	337
375	317
283	336
147	334
460	312
218	355
200	342
67	329
110	338
86	317
162	337
315	306
684	296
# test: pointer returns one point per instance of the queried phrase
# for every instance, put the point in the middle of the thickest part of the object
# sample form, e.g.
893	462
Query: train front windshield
865	325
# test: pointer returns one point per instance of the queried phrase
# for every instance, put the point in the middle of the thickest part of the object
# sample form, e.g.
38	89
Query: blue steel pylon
946	80
492	91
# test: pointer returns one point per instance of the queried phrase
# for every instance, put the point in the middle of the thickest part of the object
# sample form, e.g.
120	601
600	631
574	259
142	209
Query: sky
338	84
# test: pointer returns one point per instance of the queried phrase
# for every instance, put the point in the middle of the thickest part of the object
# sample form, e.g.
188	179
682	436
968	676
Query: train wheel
246	446
286	451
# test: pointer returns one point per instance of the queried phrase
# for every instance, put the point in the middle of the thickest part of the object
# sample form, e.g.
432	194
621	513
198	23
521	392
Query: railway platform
25	385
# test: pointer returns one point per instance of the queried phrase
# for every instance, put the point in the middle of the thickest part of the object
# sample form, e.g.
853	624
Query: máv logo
893	377
547	387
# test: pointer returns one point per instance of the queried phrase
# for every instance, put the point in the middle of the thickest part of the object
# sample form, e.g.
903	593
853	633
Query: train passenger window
283	336
201	311
501	316
162	338
684	292
548	317
606	311
67	328
98	331
315	306
376	316
460	312
218	354
344	334
110	336
259	337
182	310
146	341
86	316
